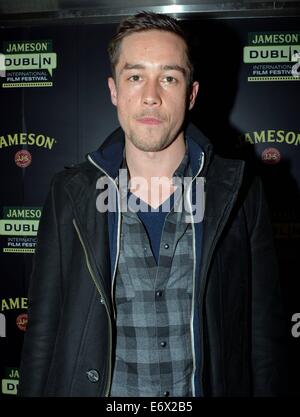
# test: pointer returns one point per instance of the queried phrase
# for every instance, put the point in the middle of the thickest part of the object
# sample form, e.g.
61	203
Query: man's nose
151	93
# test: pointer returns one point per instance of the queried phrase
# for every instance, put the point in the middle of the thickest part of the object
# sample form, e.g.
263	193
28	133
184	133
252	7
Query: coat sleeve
268	325
45	297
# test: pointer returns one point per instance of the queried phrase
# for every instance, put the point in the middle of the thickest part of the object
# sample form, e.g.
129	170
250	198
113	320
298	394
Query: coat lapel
93	225
222	186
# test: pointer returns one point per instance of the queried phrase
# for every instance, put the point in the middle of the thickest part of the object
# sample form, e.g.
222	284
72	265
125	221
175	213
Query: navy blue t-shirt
153	221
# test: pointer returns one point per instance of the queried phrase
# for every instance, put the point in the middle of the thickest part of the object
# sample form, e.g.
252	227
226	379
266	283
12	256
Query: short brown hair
142	22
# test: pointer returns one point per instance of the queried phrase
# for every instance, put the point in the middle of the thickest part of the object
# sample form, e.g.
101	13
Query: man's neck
154	164
160	165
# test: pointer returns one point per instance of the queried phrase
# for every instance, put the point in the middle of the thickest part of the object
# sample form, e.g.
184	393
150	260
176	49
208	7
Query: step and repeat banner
55	107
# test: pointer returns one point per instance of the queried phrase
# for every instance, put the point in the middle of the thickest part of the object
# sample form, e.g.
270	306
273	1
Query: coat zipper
102	300
118	233
194	273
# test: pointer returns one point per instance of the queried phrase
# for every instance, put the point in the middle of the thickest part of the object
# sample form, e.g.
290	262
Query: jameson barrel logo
273	56
27	64
271	156
18	229
23	158
22	321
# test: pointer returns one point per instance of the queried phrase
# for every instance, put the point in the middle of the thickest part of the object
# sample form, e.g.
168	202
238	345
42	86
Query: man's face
150	89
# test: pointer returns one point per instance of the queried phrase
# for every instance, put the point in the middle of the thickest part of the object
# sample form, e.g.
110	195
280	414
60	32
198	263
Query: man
155	300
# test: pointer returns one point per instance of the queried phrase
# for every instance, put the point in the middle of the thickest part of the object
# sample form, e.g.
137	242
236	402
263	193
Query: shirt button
163	344
166	246
159	293
166	393
93	375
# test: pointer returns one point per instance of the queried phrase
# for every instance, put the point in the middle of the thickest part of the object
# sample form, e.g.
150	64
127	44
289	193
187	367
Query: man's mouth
149	120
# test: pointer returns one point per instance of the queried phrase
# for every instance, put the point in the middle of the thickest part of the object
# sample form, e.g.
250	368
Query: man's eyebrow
170	67
174	67
128	66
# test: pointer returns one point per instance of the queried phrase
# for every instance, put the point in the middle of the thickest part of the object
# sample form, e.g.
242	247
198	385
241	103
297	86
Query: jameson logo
37	46
287	137
34	139
28	63
20	221
274	38
271	56
10	383
20	225
18	303
23	213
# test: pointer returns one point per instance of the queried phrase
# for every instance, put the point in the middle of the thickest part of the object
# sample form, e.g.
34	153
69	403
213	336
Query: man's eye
134	78
169	79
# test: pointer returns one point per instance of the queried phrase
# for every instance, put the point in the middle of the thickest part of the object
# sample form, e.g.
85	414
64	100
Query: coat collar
109	156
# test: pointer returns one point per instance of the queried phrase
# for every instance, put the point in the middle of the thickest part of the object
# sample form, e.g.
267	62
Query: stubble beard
148	144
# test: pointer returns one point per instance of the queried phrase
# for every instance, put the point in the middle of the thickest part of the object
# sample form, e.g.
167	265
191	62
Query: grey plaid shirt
153	308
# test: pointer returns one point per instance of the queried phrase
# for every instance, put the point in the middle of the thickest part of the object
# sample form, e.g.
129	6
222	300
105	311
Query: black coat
69	344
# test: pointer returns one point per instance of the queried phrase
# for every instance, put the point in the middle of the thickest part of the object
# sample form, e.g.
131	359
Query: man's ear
193	94
113	90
